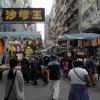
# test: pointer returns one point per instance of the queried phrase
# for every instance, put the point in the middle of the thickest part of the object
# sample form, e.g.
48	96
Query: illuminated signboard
20	15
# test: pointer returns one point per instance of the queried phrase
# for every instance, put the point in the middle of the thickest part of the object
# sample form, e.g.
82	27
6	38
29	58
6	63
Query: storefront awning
79	36
21	34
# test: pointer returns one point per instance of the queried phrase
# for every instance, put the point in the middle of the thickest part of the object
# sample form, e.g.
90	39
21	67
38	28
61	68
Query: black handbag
11	87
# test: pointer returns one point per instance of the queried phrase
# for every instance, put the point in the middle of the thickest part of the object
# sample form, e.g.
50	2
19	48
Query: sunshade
80	36
21	34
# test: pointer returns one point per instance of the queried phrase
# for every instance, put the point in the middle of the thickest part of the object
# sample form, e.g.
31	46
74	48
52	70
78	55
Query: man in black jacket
54	76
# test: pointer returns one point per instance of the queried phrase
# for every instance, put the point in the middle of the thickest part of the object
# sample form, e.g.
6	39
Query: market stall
85	38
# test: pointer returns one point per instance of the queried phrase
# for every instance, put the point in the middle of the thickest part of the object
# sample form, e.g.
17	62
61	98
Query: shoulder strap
78	75
11	85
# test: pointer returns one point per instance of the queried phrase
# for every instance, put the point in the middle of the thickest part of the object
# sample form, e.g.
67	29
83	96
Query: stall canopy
79	36
21	34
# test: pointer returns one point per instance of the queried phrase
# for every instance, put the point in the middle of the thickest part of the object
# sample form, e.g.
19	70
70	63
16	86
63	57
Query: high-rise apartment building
66	17
14	26
75	16
30	27
46	28
90	16
12	4
50	22
4	4
18	4
60	17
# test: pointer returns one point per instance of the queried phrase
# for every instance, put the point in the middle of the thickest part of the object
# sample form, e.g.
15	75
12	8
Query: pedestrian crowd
82	72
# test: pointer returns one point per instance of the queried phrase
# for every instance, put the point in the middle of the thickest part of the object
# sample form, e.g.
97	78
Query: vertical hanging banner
23	15
98	4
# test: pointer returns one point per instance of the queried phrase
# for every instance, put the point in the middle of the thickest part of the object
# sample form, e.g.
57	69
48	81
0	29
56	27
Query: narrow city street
49	39
41	92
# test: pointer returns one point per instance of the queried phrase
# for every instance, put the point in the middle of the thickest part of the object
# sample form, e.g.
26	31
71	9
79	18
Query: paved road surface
41	92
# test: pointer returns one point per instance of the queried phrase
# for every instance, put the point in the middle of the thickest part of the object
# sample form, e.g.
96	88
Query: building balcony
62	2
63	13
72	17
73	28
72	6
63	21
74	23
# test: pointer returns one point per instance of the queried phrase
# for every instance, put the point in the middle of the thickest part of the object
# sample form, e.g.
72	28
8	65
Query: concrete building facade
74	16
11	4
17	4
90	16
66	17
4	4
49	24
46	28
30	27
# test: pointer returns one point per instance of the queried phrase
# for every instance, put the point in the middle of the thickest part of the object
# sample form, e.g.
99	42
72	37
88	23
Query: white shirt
74	78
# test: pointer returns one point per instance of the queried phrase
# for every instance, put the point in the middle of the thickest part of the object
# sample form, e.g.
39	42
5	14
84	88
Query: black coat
54	70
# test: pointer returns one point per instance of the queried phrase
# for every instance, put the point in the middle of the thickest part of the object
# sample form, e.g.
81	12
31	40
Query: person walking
14	83
45	72
34	76
65	69
91	69
54	76
78	77
25	69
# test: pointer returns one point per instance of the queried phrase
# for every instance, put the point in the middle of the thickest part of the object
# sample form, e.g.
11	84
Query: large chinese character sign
20	15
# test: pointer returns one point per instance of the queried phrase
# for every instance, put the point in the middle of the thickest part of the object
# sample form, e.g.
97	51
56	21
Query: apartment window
67	1
14	1
62	2
94	11
86	15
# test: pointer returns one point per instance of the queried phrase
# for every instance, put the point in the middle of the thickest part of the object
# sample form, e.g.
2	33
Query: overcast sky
47	4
